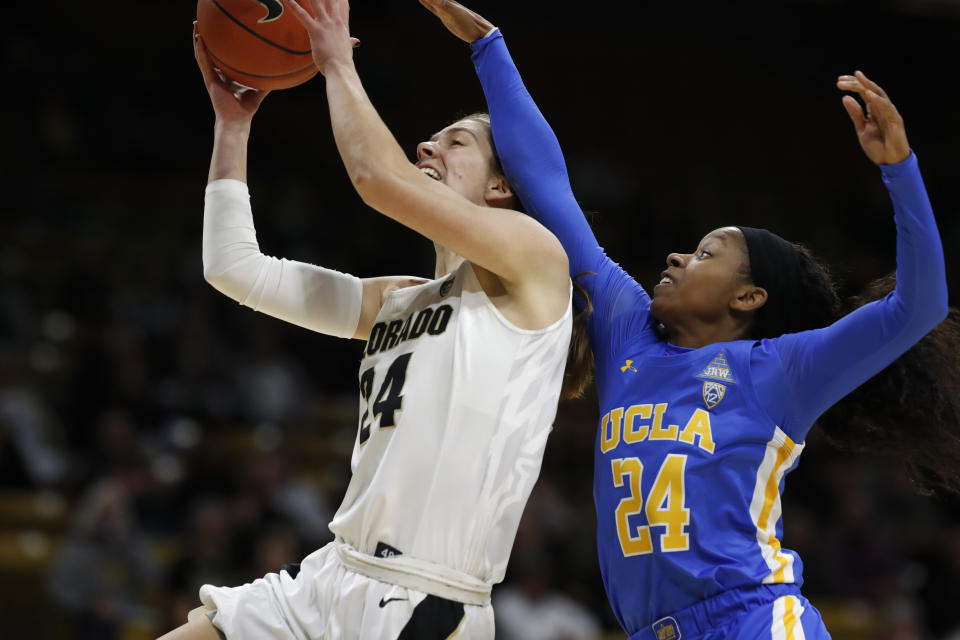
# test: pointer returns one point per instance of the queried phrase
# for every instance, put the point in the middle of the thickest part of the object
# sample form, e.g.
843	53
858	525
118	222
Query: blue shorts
770	612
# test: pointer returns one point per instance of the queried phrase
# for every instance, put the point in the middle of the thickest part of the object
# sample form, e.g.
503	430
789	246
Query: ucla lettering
431	321
641	422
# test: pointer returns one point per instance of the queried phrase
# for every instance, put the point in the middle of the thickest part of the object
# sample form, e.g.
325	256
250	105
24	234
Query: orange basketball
258	43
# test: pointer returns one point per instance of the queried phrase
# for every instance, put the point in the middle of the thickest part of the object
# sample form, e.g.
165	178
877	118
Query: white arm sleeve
319	299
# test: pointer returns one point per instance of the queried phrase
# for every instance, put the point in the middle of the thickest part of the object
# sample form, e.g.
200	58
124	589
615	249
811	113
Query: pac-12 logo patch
716	375
713	393
274	10
666	629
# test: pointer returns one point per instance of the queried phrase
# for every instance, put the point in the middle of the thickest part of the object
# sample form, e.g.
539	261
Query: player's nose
426	150
678	260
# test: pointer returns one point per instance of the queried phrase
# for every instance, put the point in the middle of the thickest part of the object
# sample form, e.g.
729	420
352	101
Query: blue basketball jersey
693	445
688	474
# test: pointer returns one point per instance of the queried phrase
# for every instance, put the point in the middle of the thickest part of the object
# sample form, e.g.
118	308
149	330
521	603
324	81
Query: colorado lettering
640	422
432	321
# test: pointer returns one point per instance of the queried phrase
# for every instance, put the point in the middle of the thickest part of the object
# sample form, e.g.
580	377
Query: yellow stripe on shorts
786	619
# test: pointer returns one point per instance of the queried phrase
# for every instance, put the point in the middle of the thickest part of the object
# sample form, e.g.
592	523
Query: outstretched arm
826	364
528	148
520	252
319	299
535	166
531	154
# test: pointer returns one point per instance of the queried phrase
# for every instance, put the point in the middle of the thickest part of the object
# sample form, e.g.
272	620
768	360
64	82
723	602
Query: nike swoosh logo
384	603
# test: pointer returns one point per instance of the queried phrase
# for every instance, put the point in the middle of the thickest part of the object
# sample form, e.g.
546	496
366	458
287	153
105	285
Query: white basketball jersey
455	407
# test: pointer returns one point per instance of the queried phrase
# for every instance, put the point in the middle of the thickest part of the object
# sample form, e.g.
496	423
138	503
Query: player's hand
463	23
231	102
328	28
880	128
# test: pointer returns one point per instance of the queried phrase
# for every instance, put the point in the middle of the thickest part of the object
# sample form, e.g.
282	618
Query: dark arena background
154	435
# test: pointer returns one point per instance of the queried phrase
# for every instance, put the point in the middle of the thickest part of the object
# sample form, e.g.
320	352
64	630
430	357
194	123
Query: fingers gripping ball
258	43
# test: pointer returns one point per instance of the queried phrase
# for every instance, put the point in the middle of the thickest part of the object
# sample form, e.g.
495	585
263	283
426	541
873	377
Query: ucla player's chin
659	300
664	306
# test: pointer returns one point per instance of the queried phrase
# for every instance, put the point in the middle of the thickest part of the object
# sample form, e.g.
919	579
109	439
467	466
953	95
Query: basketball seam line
251	31
257	75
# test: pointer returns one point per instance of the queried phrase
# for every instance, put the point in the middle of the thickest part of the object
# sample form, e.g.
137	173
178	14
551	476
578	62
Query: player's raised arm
468	219
534	164
826	364
528	148
313	297
233	108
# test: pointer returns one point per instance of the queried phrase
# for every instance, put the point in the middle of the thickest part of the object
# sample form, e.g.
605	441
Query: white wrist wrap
319	299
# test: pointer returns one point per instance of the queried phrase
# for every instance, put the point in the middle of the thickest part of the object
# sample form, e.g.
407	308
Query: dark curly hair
911	409
812	301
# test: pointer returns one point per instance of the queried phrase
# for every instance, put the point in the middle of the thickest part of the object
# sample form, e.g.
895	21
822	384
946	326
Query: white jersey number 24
389	398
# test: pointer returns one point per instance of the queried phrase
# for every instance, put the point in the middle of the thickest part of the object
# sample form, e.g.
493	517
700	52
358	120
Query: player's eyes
703	254
456	143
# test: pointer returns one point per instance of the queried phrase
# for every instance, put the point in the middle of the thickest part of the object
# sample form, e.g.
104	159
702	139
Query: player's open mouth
431	172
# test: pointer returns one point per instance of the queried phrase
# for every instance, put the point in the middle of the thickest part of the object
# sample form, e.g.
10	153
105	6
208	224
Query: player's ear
749	297
499	193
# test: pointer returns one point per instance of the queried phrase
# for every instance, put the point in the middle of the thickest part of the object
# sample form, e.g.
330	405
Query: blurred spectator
273	476
276	547
941	592
102	572
31	449
270	384
530	608
207	555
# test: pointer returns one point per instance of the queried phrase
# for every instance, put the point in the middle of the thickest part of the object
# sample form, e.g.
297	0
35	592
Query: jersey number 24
664	506
389	399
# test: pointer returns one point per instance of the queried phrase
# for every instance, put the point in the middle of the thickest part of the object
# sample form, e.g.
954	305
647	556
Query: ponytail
911	409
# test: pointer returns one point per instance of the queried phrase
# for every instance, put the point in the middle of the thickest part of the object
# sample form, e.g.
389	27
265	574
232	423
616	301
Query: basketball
257	43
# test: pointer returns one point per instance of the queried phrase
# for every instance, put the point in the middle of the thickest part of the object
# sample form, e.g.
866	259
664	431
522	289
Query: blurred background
155	436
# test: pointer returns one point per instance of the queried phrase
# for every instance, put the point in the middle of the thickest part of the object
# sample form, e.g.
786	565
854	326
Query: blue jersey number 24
664	506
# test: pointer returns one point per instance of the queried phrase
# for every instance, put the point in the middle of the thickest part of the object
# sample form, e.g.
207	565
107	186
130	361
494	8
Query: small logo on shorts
385	602
384	550
666	629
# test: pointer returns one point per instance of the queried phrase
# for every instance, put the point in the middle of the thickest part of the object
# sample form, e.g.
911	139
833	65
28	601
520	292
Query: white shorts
328	601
